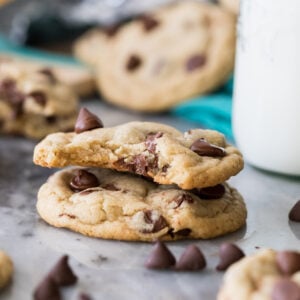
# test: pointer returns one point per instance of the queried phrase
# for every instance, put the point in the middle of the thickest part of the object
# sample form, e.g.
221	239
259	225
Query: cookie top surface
266	275
6	269
197	158
160	59
108	204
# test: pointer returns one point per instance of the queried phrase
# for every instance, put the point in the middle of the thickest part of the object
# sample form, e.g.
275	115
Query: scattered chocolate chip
133	63
184	232
191	259
229	254
150	141
39	97
288	262
87	121
149	22
294	214
204	148
195	62
285	289
49	73
83	180
110	187
84	296
181	198
158	222
160	257
47	290
62	274
210	193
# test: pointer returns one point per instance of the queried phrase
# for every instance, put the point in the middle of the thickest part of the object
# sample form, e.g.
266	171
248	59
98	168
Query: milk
266	110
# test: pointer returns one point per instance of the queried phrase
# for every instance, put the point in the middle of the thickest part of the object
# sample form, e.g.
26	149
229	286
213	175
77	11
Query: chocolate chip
229	254
62	274
150	141
195	62
110	187
294	214
149	22
204	148
83	180
160	257
210	193
51	119
84	296
47	290
165	168
49	73
181	198
133	63
288	262
191	259
158	222
285	289
184	232
87	121
112	30
39	97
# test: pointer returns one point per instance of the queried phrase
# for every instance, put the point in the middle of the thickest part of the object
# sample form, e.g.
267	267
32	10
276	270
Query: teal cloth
212	111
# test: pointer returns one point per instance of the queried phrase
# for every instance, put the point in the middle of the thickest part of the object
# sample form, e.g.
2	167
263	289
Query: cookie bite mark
87	121
83	180
203	148
133	63
195	62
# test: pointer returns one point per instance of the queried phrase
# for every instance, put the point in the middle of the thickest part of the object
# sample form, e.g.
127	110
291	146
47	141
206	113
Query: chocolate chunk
285	289
110	187
47	290
195	62
191	259
183	197
140	165
294	214
149	22
204	148
165	168
210	193
39	97
84	296
51	119
87	121
150	141
133	63
112	30
288	262
184	232
62	274
158	223
83	180
49	73
160	257
229	254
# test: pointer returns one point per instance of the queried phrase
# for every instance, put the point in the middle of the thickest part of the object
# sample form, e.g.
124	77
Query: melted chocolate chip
158	223
112	30
184	232
49	73
195	62
288	262
210	193
133	63
87	121
285	289
160	257
294	214
149	22
204	148
47	290
183	197
229	254
62	274
150	141
39	97
191	259
83	180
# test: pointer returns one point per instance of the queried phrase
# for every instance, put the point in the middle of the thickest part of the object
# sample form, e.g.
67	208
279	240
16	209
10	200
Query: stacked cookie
140	181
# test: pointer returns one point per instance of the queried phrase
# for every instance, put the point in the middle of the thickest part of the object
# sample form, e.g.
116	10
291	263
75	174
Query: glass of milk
266	109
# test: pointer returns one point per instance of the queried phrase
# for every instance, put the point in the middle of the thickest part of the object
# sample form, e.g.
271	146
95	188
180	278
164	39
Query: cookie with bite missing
167	56
33	103
193	159
6	269
108	204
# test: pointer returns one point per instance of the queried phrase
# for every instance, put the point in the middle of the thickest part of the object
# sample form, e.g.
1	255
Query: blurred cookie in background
32	102
231	5
160	59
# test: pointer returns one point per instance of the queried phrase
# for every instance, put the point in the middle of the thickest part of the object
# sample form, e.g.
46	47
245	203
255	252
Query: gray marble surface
113	269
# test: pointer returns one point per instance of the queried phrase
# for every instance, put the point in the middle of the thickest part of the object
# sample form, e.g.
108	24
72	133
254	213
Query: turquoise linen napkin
211	111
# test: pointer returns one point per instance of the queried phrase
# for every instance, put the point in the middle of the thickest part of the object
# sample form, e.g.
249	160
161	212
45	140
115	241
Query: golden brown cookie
6	269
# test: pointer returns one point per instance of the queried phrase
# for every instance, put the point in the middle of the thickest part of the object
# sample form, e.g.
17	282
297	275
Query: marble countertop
112	269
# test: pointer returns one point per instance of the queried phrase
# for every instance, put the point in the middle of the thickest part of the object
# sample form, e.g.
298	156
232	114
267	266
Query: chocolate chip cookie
163	58
196	158
6	269
33	103
113	205
267	275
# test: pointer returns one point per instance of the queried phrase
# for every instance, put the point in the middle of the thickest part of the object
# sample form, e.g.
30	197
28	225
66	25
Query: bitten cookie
266	275
196	158
161	59
6	269
112	205
231	5
33	103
